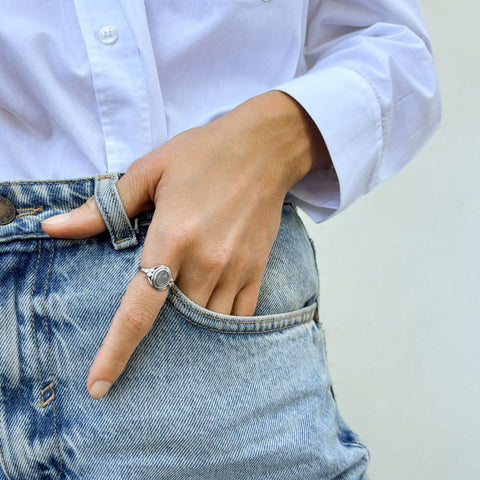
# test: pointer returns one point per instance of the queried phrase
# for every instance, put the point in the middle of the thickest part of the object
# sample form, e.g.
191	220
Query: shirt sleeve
368	81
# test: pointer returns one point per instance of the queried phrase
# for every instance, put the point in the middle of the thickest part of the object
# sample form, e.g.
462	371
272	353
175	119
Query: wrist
276	129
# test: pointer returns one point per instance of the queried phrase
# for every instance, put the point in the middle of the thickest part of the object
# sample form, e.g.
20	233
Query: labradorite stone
161	278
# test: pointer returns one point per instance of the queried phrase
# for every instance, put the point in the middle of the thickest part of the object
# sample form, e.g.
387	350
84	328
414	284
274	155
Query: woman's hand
218	192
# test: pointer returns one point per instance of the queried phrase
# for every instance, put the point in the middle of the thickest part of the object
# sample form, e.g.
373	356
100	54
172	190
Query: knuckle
141	183
254	263
136	322
181	237
249	269
218	258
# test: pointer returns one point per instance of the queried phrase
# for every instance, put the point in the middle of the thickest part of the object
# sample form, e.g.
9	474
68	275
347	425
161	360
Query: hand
219	190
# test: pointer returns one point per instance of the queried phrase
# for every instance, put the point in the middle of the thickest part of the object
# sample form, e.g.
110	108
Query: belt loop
118	224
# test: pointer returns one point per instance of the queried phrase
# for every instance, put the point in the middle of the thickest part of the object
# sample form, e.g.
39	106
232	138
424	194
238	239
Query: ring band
159	277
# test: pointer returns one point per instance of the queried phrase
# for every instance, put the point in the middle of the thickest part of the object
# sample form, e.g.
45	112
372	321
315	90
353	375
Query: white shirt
89	86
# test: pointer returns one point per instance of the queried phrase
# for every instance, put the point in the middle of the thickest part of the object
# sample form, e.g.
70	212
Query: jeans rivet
7	211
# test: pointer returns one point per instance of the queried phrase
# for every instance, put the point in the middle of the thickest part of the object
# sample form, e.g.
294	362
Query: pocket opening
201	317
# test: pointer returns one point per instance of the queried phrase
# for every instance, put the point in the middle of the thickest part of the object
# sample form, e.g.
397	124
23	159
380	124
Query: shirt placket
119	81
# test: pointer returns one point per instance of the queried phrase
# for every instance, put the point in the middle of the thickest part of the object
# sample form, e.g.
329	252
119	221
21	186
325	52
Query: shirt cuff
347	113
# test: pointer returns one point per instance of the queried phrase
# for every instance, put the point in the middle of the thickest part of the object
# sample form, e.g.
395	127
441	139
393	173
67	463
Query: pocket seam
308	319
243	322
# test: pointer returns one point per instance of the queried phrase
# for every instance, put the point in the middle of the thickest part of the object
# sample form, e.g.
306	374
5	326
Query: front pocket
288	291
217	322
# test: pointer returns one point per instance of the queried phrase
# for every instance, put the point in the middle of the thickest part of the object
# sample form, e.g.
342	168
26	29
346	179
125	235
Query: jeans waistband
34	201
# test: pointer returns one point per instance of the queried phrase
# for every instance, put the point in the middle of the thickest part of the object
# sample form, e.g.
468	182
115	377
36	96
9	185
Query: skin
216	238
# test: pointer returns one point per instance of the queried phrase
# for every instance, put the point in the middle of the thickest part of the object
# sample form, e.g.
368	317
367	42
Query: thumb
87	221
84	221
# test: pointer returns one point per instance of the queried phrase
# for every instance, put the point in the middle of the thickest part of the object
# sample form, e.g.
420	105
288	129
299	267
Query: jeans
205	395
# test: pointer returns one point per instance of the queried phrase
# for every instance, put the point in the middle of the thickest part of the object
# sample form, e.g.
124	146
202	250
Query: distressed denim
205	395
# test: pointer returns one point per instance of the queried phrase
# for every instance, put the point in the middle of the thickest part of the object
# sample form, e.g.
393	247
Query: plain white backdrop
400	285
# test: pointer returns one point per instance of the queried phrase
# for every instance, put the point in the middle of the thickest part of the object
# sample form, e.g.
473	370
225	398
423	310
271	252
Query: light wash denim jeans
205	396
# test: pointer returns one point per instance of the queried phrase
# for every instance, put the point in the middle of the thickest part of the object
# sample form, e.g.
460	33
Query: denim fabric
205	395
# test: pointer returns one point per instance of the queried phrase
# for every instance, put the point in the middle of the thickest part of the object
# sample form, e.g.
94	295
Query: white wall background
400	285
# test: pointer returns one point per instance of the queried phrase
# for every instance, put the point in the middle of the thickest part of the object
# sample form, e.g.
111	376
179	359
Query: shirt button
8	211
108	35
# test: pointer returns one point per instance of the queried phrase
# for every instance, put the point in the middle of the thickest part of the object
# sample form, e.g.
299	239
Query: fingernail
57	219
99	389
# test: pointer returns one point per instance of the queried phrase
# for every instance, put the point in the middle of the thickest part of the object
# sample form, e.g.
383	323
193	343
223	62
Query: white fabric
72	105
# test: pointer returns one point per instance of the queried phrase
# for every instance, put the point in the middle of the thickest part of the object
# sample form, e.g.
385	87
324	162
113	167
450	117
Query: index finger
132	321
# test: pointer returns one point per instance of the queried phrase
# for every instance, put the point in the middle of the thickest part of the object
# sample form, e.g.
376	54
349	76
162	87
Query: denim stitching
234	321
235	333
52	397
39	234
29	211
33	320
4	465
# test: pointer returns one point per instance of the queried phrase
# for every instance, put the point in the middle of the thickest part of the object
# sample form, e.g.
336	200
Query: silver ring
159	277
